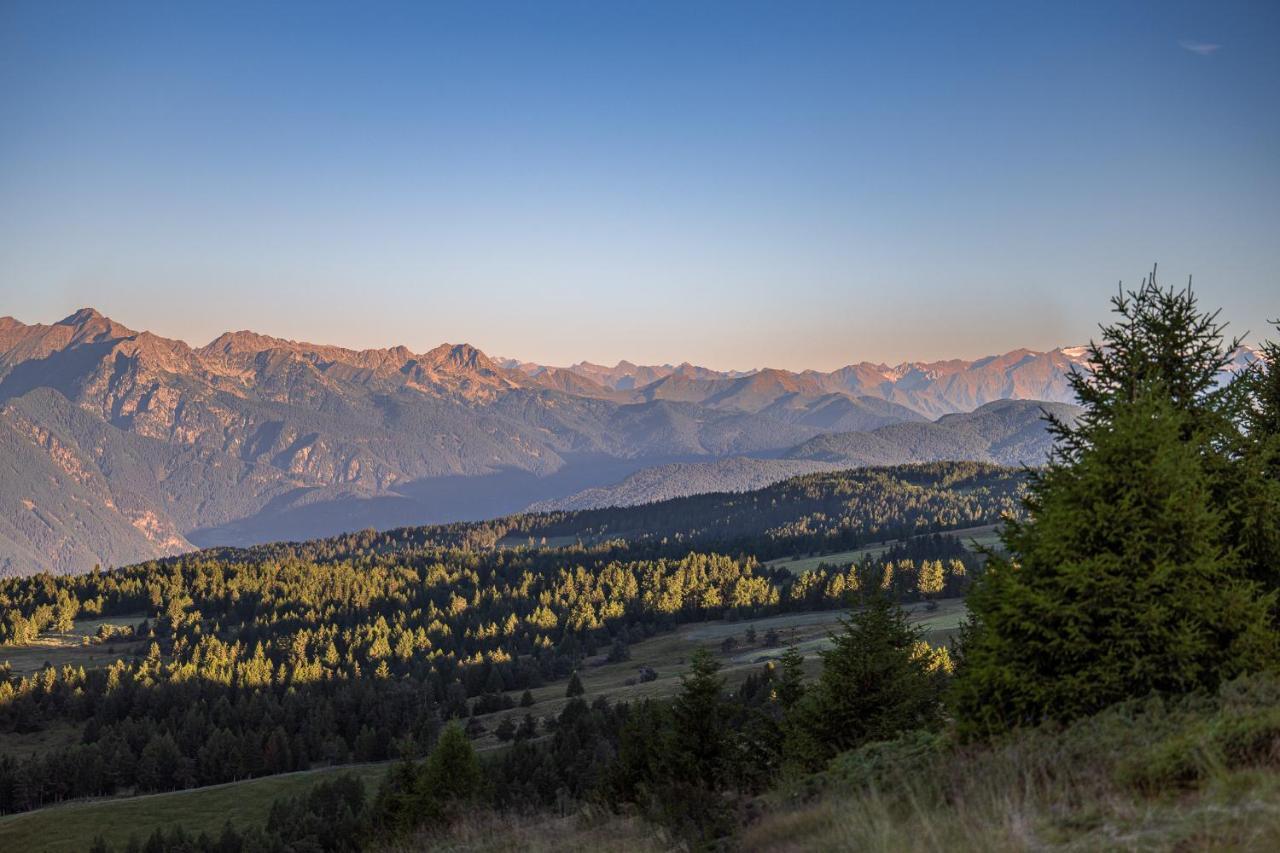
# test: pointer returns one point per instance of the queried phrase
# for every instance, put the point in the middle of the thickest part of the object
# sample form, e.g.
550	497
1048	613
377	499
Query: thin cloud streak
1200	48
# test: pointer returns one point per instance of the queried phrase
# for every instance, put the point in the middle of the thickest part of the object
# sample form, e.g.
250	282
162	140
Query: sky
797	185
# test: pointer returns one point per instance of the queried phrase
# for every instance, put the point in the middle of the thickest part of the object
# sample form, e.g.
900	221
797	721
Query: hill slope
1008	432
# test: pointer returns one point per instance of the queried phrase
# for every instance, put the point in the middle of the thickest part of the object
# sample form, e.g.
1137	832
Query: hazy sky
787	184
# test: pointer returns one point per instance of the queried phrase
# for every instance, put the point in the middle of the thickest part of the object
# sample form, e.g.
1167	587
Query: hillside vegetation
1194	773
1113	684
279	658
71	827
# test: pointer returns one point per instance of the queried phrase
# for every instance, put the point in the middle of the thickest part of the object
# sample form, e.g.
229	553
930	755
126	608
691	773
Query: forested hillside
277	658
1120	647
818	512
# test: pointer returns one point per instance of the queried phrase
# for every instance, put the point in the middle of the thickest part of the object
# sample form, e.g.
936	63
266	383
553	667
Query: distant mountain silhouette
1006	432
118	445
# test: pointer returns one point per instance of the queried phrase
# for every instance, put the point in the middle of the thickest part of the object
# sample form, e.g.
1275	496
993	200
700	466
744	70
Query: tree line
689	763
264	665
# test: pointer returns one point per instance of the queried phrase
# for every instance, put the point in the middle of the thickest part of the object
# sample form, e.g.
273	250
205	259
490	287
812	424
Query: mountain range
118	445
1006	432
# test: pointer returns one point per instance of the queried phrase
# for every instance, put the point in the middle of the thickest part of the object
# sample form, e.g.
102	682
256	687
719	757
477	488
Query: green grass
71	828
589	831
55	736
986	535
69	647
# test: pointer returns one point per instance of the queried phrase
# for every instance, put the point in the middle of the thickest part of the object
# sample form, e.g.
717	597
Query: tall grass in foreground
1196	773
494	832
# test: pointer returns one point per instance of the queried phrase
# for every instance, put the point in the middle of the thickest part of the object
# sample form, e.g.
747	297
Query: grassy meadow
667	655
77	647
985	536
71	827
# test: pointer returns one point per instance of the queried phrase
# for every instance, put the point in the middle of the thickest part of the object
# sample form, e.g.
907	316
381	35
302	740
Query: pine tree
874	685
575	687
1259	527
790	683
506	729
1128	576
451	774
699	745
399	800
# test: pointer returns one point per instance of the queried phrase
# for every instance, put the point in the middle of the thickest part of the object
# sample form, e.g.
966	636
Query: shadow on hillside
317	513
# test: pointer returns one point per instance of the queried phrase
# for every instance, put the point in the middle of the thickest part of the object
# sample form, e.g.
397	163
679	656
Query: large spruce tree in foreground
1132	572
1259	484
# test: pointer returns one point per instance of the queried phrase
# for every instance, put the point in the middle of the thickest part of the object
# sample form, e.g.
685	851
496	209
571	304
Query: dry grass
492	832
986	535
1049	790
69	647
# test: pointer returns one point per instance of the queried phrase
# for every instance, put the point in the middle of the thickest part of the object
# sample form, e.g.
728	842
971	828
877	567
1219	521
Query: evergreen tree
699	747
619	651
399	801
451	774
687	754
1259	502
1128	576
575	687
452	771
874	685
790	682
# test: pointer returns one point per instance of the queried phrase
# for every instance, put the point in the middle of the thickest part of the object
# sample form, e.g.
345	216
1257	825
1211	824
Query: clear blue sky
738	184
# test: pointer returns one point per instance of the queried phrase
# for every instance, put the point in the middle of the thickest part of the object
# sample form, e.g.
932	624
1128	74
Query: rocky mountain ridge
1005	432
118	445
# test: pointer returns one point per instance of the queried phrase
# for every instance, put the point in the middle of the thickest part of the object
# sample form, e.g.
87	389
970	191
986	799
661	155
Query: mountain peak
244	341
87	324
459	357
81	317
